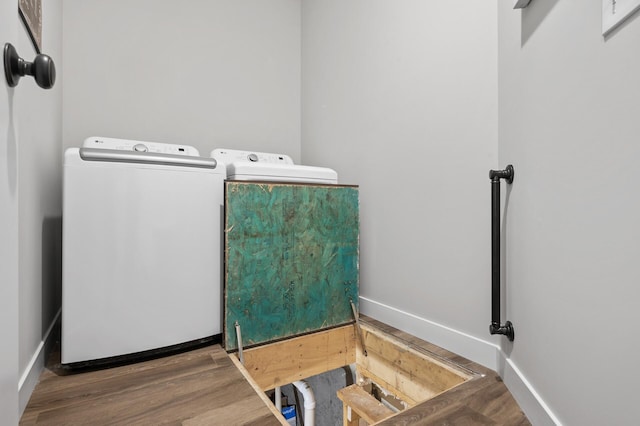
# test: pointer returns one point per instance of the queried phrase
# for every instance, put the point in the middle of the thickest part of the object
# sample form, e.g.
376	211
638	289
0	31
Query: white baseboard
477	350
480	351
537	411
31	375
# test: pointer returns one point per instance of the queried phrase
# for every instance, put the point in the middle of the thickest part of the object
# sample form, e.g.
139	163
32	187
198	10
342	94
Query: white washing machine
261	166
142	228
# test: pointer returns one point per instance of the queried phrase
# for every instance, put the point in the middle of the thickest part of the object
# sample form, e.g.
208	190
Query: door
8	230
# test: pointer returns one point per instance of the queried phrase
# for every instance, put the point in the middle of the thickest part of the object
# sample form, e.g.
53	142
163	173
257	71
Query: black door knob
42	68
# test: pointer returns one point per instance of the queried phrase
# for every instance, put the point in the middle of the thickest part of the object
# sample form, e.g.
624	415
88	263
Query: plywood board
291	259
284	362
402	370
387	355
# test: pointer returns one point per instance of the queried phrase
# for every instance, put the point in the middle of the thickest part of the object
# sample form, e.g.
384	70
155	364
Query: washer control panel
139	146
228	156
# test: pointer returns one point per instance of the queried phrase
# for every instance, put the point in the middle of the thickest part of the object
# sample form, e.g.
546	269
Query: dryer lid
264	166
280	173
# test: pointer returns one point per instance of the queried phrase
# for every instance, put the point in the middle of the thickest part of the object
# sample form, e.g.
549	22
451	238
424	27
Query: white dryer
141	249
262	166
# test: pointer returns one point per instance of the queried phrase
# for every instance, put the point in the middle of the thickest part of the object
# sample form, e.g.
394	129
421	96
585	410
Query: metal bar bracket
496	327
358	329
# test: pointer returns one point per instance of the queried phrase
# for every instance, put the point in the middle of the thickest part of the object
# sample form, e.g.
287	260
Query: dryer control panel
139	146
229	156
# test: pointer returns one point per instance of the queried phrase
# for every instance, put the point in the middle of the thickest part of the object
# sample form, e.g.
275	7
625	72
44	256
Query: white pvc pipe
278	399
309	402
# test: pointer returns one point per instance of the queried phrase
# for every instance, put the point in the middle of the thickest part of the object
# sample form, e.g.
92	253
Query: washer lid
280	173
118	156
101	142
98	148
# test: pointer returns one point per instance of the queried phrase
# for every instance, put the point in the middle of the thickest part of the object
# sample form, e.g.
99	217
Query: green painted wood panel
291	259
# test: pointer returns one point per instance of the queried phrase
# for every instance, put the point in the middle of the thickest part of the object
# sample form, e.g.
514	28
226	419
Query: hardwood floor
204	387
201	387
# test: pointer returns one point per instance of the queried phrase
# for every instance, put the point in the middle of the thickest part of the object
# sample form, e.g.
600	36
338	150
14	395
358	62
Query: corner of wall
31	375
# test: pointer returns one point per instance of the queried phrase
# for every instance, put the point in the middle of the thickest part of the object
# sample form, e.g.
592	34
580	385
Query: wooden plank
411	373
365	405
398	387
291	259
284	362
424	346
349	417
478	394
259	392
458	414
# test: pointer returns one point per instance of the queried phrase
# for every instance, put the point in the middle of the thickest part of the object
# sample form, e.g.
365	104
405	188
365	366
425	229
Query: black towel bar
496	327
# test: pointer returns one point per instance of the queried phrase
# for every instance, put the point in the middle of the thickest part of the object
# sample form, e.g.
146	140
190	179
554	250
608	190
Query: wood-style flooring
204	387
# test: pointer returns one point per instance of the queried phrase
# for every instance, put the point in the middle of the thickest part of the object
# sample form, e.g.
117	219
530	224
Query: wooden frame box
404	372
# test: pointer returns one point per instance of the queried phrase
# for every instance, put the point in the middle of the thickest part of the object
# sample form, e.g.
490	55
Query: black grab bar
496	327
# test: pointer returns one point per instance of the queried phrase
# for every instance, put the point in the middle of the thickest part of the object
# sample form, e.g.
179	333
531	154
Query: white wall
208	73
30	133
569	123
401	99
379	78
8	231
39	128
